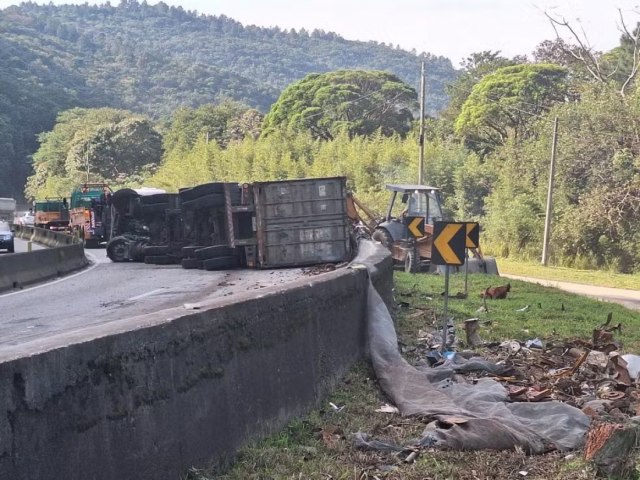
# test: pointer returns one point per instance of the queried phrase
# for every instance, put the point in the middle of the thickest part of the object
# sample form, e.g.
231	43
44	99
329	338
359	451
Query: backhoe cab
407	229
398	230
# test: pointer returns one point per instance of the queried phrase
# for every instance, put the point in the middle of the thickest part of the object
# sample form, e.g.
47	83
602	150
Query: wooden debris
610	446
472	329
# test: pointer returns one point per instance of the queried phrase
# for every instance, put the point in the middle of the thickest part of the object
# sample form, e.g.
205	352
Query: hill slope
152	59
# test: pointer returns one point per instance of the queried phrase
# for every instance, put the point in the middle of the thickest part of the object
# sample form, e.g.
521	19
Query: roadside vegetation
602	278
321	445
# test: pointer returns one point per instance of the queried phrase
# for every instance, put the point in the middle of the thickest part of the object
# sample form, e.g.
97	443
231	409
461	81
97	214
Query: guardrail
44	236
65	255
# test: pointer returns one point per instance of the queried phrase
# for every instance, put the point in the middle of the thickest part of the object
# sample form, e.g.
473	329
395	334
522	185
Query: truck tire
220	263
117	250
383	236
191	263
190	251
158	259
154	199
198	191
12	248
155	250
411	262
211	200
213	252
154	208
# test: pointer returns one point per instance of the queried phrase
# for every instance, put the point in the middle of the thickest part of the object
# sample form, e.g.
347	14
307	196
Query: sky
452	28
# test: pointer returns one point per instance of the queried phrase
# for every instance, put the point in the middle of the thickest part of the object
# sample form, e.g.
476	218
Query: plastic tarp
466	416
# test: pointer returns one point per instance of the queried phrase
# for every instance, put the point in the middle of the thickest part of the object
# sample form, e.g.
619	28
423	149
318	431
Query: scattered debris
535	343
472	329
523	309
318	269
386	408
496	293
610	446
331	436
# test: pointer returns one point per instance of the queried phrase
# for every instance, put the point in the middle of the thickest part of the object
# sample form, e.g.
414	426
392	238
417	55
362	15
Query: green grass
545	316
300	452
590	277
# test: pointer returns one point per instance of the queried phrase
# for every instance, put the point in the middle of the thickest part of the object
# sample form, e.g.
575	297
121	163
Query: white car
26	219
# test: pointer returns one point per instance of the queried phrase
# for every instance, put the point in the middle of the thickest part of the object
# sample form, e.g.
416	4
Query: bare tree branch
636	63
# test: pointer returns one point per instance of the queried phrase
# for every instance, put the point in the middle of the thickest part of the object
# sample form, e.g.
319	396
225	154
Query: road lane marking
138	297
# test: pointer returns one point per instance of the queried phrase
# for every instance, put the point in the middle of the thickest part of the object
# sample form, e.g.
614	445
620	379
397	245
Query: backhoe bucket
486	265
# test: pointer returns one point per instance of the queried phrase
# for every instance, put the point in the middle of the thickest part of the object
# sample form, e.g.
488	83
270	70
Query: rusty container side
301	222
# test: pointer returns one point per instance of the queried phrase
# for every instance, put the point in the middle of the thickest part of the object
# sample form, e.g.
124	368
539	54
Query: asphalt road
628	298
108	291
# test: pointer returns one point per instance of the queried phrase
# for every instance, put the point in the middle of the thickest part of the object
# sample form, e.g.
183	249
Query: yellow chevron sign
449	239
416	226
473	235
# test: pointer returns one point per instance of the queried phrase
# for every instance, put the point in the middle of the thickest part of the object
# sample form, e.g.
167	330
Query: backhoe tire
412	262
383	236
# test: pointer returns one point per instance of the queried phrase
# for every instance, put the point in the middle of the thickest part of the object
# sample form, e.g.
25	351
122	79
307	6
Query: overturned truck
224	225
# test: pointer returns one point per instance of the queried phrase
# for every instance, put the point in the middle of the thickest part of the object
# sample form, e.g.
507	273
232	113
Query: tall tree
358	102
104	144
505	103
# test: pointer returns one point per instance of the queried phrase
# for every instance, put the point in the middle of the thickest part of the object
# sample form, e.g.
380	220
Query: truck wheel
411	262
212	200
214	252
220	263
191	263
199	190
158	259
190	251
383	236
11	249
117	250
155	250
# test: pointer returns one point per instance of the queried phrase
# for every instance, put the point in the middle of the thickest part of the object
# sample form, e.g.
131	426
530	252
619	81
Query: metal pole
445	321
547	220
466	272
421	140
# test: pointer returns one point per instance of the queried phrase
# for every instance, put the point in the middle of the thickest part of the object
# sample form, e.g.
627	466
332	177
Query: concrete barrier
45	236
19	269
151	396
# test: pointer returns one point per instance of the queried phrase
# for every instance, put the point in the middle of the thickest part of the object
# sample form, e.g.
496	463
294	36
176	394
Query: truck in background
88	213
224	225
51	213
7	209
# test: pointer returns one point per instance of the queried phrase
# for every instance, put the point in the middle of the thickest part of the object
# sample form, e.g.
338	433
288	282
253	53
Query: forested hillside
153	59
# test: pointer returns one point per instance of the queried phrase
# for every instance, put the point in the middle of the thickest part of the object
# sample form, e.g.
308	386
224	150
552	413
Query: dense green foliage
358	102
95	145
154	59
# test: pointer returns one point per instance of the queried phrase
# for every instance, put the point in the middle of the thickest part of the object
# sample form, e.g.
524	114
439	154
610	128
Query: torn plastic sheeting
490	422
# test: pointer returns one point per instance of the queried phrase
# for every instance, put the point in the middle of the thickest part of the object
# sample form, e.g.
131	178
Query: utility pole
421	159
547	220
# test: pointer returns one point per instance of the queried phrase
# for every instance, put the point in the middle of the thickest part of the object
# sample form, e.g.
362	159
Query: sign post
472	241
449	240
